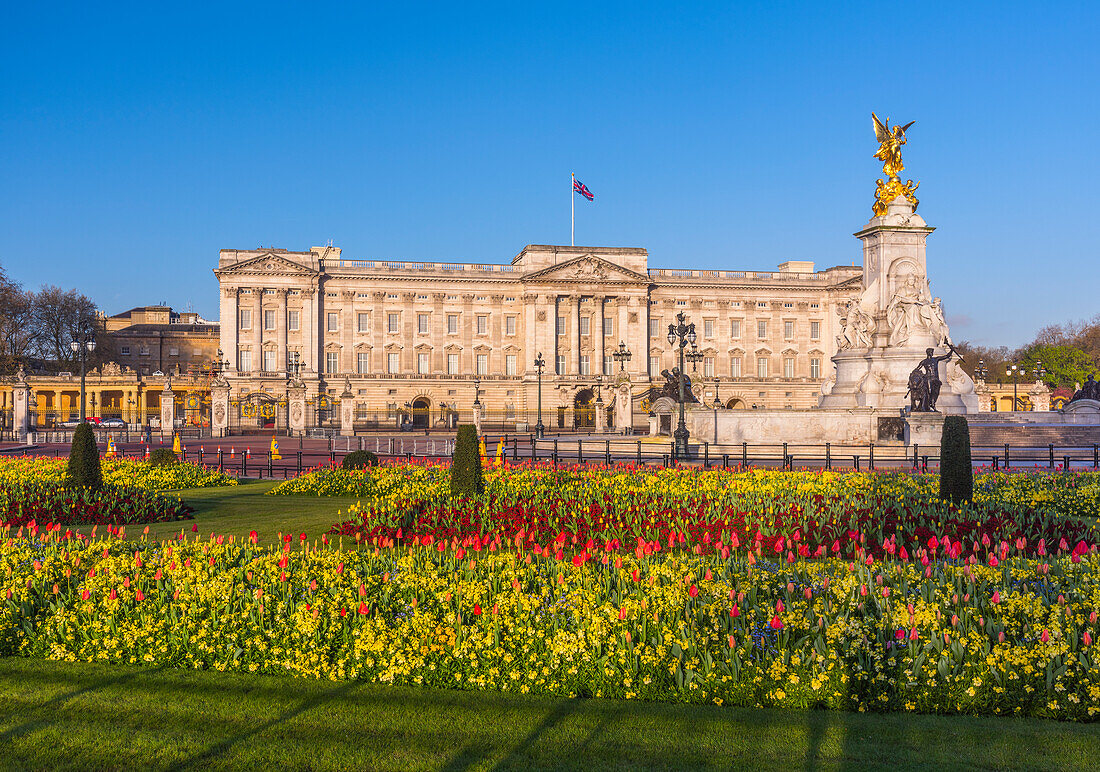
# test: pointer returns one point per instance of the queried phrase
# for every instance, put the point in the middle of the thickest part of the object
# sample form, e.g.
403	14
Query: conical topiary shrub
83	470
956	469
466	477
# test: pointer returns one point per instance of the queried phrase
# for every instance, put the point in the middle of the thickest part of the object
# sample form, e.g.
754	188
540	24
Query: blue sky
137	141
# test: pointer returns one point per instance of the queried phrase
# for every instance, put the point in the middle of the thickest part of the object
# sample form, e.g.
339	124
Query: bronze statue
890	140
1090	389
671	389
924	381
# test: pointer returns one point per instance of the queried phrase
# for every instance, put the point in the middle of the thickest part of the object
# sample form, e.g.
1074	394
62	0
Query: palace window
125	351
584	325
482	364
423	323
483	325
762	329
708	328
788	367
392	320
735	367
269	361
333	318
815	330
708	367
244	361
269	320
173	351
654	328
735	328
788	330
509	325
246	318
761	367
815	367
510	364
561	325
608	365
393	362
422	365
452	324
608	327
144	351
654	365
293	320
585	367
452	364
362	363
559	364
332	362
362	322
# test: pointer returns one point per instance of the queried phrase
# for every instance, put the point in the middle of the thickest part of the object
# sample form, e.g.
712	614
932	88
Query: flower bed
808	513
1003	634
116	471
31	502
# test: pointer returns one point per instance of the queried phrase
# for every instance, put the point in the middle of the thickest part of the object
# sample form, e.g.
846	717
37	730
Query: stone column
601	417
438	329
378	330
281	325
219	409
21	409
257	329
347	410
230	325
347	332
556	311
296	404
167	411
496	335
599	334
624	408
468	324
310	345
575	320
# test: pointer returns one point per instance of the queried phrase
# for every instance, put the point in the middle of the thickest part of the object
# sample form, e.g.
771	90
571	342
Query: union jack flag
579	187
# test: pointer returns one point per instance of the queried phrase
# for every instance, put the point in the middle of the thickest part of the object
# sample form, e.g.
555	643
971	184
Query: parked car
75	422
113	423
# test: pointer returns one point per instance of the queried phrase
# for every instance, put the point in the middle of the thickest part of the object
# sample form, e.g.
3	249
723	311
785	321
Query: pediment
587	269
269	264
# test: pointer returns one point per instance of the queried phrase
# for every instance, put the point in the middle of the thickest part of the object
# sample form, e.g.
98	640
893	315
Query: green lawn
239	509
79	716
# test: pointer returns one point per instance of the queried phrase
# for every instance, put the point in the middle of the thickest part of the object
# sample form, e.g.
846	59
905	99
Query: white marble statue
857	328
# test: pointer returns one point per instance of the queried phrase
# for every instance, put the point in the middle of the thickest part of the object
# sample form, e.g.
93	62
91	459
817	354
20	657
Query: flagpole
572	207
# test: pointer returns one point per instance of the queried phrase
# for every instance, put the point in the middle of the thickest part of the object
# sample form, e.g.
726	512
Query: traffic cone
248	452
233	451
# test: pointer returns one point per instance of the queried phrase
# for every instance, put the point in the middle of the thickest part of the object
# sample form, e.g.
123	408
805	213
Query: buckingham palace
422	342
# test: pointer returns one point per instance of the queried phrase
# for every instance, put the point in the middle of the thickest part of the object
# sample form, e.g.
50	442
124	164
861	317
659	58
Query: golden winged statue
890	141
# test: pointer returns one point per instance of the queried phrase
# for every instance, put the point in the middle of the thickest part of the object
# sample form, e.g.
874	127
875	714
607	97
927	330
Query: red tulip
693	591
363	608
735	612
477	610
1045	637
776	623
913	634
996	596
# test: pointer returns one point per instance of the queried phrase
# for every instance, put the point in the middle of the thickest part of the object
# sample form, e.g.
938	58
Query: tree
956	466
466	475
84	470
1066	364
16	323
58	315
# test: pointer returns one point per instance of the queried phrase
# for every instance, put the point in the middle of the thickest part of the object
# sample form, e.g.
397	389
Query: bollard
995	462
299	462
219	459
1095	455
1006	455
1065	463
855	463
829	456
784	455
745	454
924	463
515	448
1051	448
331	456
666	460
554	458
638	449
607	452
725	460
871	456
916	457
580	451
270	464
706	455
201	454
244	465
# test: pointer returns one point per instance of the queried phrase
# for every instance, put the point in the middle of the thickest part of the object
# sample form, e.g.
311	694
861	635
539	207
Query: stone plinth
798	427
624	408
167	413
924	429
878	377
1082	411
347	410
21	412
296	405
219	409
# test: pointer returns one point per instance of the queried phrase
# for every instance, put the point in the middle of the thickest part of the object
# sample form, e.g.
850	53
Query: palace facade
422	341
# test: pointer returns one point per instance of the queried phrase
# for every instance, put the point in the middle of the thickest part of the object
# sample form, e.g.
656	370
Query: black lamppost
539	364
1015	371
717	404
680	335
477	392
981	370
82	343
621	355
599	402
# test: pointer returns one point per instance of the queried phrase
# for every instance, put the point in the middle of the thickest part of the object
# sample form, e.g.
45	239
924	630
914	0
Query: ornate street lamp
477	392
83	342
621	355
717	404
680	335
1015	371
539	364
981	370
